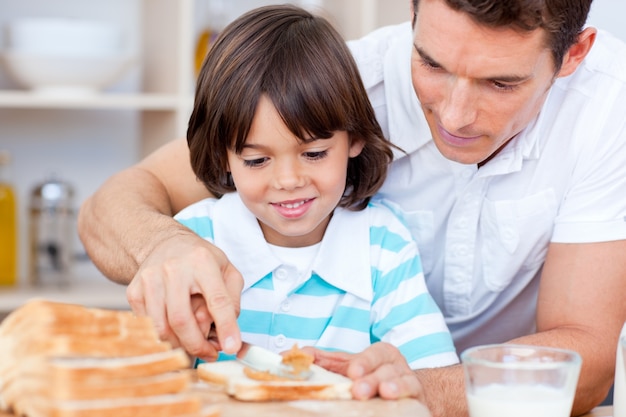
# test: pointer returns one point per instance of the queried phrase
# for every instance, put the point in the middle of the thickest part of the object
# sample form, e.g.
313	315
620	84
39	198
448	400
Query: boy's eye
254	162
316	155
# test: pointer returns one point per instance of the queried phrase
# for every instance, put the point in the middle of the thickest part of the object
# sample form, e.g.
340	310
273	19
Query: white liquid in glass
498	400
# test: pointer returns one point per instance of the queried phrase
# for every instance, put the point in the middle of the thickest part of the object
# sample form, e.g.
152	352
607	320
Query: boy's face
478	86
291	187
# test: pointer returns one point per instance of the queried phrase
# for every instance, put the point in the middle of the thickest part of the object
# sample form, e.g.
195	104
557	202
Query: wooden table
371	408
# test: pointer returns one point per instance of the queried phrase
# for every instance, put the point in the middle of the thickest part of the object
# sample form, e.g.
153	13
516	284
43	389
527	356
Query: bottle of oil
212	26
8	223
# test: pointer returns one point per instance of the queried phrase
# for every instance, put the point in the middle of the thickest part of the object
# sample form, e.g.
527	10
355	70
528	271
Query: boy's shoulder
386	213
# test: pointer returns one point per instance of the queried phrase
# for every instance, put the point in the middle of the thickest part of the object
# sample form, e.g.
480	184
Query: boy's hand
378	370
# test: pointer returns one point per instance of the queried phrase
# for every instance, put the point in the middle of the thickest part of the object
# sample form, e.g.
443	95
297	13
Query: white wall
609	15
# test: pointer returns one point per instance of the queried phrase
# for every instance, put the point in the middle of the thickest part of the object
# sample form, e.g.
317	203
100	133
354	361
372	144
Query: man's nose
458	109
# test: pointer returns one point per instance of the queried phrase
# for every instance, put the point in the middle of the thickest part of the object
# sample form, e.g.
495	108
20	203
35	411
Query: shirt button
281	274
286	306
280	341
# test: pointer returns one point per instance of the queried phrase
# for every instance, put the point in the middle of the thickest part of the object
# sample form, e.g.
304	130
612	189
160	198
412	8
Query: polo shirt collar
343	259
344	256
237	232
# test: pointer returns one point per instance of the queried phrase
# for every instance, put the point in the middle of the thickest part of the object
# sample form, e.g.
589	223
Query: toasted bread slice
323	384
65	360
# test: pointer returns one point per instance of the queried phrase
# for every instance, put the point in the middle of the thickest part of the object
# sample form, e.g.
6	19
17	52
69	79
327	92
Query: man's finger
223	300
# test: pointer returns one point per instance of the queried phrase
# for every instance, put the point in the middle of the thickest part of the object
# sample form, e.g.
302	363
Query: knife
260	359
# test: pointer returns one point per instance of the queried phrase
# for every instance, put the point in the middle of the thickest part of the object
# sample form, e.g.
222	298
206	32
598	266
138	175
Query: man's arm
178	279
132	211
581	306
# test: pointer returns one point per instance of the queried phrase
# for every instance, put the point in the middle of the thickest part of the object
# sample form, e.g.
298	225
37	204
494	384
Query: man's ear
578	52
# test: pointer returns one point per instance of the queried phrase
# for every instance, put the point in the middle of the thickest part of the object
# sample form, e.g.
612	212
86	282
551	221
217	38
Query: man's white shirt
483	233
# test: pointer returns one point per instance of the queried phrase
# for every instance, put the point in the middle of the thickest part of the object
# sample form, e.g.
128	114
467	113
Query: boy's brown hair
301	63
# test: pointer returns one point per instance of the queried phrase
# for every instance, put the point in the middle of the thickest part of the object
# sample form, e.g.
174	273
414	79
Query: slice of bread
323	384
65	360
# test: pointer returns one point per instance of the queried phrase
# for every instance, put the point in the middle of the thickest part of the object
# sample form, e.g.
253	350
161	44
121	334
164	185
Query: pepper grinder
51	233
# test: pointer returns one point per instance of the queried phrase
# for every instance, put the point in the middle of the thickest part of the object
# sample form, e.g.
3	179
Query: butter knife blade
263	360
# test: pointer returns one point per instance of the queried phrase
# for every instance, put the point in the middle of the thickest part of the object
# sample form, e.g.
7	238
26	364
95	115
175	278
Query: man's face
478	86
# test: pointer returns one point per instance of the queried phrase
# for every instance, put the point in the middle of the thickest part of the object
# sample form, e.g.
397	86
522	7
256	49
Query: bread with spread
243	383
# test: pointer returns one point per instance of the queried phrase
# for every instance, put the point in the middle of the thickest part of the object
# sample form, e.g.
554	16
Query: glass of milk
518	380
619	390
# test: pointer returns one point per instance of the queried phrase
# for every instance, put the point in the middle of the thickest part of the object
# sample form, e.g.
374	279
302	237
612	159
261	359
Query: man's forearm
445	387
598	359
445	390
123	222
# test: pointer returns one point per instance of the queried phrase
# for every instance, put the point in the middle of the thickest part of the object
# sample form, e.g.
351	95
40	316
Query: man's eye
254	162
503	87
430	64
315	155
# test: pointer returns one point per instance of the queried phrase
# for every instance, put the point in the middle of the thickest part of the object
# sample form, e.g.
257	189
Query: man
514	180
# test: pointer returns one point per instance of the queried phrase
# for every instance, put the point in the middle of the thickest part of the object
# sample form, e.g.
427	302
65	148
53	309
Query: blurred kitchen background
82	137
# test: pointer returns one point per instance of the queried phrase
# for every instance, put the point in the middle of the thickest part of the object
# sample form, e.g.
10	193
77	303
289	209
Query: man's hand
185	284
378	370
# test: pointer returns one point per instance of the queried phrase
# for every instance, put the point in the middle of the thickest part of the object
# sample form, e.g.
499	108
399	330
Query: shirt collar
237	233
344	256
343	259
408	128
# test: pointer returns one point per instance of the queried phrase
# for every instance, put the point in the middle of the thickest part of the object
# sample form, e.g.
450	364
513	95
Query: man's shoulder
608	56
603	68
370	50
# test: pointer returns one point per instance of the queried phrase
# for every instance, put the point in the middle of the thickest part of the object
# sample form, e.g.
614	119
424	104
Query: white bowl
63	36
65	74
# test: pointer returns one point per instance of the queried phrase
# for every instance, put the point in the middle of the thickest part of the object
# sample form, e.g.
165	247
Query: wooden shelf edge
103	294
18	99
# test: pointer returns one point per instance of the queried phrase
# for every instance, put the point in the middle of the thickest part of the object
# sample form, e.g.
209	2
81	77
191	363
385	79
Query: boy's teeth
292	205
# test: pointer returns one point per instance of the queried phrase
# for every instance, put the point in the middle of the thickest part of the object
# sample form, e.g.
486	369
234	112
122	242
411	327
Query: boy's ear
356	146
578	52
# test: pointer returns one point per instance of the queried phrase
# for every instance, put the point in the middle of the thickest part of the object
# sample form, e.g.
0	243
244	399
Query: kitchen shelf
23	99
163	34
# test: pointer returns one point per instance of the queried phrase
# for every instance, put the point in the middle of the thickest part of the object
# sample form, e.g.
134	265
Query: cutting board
370	408
311	408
